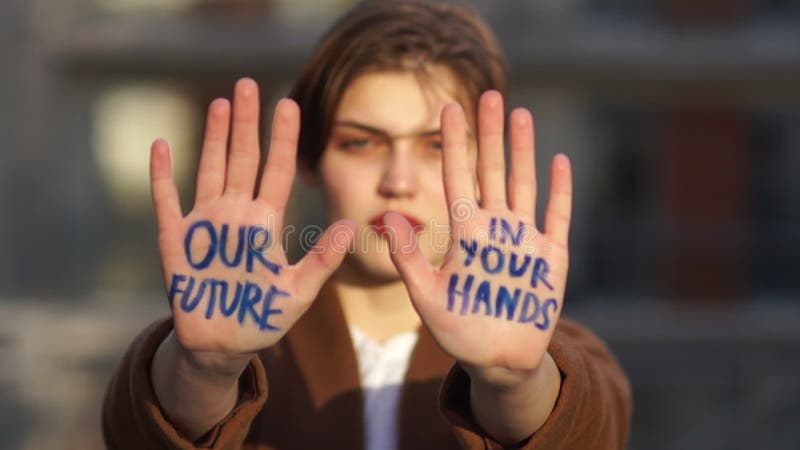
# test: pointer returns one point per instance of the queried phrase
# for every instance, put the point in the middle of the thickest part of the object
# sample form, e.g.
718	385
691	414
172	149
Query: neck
380	311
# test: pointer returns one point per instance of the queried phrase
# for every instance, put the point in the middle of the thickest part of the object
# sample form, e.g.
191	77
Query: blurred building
681	118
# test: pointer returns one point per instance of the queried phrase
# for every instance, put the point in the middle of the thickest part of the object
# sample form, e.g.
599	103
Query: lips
382	229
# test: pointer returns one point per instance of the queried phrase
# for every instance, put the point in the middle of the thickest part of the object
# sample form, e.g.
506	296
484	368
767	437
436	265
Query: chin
371	268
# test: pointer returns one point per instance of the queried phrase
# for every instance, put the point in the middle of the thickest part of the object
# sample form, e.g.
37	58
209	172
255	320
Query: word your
493	261
502	301
243	301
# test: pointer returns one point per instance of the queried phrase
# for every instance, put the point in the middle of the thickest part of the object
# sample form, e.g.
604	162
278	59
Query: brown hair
393	35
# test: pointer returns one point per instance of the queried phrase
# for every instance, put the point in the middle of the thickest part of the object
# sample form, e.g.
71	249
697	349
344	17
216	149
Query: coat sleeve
133	419
593	409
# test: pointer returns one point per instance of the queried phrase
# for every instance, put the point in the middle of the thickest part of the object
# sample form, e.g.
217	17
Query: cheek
344	181
333	182
431	179
336	189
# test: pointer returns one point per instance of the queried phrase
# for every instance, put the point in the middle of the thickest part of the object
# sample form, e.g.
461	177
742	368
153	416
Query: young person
428	313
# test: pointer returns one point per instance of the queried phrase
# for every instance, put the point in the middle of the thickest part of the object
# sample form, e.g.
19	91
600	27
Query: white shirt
382	368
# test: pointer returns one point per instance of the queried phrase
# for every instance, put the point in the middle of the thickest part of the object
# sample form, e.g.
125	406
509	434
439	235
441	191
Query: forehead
398	102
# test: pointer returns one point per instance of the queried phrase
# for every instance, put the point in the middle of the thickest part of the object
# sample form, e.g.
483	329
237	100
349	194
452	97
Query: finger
491	158
324	258
559	205
162	186
244	154
458	185
522	179
414	268
211	169
279	171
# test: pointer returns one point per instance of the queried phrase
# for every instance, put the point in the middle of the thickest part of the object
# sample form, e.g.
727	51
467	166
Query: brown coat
315	400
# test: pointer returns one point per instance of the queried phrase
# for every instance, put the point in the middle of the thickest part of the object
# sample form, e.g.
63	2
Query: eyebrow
378	131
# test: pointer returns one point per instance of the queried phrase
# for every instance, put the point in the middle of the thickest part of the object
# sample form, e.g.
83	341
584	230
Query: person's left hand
494	302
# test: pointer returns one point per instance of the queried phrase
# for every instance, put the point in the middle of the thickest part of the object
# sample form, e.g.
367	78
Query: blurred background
682	118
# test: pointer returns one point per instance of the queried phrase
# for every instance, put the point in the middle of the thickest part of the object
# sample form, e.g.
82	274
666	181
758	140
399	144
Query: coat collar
324	352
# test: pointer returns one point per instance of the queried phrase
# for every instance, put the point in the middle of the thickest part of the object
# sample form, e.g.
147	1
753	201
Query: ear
310	177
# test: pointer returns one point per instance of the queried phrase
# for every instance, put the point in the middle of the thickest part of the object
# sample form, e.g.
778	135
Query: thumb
406	255
324	258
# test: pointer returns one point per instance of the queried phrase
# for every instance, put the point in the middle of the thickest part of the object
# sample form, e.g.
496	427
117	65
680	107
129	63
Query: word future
501	301
240	298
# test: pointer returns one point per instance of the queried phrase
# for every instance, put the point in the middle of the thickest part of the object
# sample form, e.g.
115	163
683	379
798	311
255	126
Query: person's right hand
231	290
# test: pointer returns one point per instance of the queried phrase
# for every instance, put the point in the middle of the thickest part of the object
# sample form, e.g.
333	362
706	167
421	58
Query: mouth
382	229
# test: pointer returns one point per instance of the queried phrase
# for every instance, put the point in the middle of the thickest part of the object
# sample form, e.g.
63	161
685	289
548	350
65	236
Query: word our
218	242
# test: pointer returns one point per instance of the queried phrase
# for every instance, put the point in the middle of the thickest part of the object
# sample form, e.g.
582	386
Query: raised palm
494	302
231	290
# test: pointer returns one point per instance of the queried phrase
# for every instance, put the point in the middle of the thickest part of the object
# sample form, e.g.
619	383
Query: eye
434	144
355	144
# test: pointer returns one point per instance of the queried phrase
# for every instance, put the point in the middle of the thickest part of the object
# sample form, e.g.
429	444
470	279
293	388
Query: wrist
512	405
196	391
208	365
502	379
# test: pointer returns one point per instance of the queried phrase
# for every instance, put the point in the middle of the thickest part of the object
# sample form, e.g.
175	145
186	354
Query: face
384	154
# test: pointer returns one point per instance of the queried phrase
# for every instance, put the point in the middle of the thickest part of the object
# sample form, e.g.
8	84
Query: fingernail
562	161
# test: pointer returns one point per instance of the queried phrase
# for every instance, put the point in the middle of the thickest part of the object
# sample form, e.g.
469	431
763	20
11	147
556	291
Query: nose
400	175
